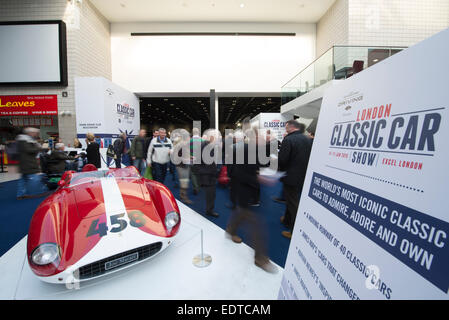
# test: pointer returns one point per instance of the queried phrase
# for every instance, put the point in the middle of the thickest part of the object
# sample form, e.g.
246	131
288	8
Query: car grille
97	268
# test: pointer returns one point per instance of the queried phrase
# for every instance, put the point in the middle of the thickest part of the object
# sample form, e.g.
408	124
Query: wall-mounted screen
33	53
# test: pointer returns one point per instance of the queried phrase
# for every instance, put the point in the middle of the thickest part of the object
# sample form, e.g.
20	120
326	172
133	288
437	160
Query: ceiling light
375	60
242	5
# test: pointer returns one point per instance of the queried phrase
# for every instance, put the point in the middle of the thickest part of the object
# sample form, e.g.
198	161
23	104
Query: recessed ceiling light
242	5
375	60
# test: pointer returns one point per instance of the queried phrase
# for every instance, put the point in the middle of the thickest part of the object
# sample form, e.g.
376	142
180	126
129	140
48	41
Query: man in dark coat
27	148
245	182
119	149
139	150
206	172
57	161
293	159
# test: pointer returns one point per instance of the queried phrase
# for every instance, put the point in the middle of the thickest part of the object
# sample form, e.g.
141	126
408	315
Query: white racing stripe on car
113	200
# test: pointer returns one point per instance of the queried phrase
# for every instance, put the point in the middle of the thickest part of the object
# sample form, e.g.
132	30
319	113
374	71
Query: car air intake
117	261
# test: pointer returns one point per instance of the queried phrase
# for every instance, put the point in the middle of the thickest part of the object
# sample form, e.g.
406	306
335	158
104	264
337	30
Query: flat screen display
33	53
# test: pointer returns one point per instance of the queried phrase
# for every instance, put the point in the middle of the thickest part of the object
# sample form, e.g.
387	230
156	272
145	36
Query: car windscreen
90	176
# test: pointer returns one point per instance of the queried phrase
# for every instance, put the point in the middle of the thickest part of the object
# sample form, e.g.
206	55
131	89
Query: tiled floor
11	174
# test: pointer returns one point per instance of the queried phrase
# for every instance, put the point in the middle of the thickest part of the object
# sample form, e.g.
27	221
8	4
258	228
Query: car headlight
171	219
45	254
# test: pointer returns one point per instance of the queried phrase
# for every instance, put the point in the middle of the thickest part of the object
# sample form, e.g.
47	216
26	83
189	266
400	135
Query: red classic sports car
99	222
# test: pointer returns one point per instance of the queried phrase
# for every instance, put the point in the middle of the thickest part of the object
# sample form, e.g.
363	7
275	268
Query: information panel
373	220
105	109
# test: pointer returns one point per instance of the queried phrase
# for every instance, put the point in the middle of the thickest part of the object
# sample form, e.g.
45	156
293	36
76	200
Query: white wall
381	22
201	63
332	28
395	22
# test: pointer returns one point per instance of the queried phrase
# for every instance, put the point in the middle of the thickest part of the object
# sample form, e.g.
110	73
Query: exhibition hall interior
224	150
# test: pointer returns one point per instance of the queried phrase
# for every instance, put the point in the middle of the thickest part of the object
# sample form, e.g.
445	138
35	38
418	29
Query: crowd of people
196	159
41	161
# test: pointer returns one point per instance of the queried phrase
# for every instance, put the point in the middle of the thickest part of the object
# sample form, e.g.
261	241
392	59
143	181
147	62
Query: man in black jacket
139	150
57	161
206	170
293	159
119	149
245	182
27	148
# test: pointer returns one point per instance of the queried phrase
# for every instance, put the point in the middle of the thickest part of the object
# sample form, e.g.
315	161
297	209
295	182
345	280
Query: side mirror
61	183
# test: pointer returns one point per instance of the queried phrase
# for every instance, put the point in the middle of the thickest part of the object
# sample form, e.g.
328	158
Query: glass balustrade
339	62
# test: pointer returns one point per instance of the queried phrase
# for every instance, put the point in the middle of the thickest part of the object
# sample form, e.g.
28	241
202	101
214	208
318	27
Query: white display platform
169	275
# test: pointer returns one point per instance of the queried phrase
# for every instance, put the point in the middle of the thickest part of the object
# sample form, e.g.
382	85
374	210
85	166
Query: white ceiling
291	11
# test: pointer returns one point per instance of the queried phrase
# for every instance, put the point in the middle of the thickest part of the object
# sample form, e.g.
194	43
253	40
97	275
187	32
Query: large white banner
373	219
275	122
105	109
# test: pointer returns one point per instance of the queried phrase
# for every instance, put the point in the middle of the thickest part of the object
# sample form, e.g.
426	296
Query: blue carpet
269	213
16	215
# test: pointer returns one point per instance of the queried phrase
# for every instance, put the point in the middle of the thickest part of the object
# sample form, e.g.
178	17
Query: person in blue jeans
28	148
138	151
158	156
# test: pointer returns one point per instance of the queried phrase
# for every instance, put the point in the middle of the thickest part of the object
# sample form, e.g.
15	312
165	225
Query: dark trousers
195	183
118	162
243	215
233	192
159	171
291	194
209	192
173	172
